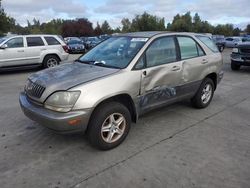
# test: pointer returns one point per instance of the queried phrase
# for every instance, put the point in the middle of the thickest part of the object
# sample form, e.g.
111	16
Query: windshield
116	52
3	39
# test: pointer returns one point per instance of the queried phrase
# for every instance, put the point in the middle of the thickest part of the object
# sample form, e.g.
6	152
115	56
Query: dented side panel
160	84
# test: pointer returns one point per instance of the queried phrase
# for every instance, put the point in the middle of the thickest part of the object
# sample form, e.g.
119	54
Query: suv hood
67	76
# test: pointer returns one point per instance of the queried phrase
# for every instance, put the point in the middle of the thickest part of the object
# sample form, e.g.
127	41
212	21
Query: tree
247	30
77	28
182	23
98	30
126	25
147	22
5	21
197	23
226	29
236	31
117	30
106	29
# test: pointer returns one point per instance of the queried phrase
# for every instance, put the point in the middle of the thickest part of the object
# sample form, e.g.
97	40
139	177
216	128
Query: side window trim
14	39
44	44
145	58
176	51
196	47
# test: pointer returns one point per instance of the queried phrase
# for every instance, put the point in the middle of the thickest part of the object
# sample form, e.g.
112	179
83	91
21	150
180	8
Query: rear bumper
55	121
76	50
64	56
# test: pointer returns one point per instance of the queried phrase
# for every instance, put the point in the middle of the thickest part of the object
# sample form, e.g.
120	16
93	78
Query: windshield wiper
107	66
86	62
97	63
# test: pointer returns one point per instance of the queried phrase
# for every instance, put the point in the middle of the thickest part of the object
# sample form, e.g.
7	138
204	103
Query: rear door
195	62
161	75
35	46
13	55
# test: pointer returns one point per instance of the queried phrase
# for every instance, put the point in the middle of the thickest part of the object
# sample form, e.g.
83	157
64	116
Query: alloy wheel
113	127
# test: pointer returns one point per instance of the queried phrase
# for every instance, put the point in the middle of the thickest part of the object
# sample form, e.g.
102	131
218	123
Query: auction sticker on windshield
139	39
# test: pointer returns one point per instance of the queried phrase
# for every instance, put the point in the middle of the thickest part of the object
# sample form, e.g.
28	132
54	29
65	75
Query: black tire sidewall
234	66
98	117
197	101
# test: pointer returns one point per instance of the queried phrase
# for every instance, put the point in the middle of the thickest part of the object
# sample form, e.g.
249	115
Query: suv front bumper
241	59
71	122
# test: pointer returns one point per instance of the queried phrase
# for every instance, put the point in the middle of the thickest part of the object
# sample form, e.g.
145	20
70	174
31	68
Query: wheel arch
124	99
213	77
51	54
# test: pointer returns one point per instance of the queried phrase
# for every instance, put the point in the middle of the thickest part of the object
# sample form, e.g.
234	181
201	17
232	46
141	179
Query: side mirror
4	46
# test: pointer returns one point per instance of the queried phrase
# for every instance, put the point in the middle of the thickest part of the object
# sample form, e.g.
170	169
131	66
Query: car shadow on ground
21	71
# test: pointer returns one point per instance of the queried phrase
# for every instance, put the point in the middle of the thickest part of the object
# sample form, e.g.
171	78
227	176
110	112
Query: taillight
66	49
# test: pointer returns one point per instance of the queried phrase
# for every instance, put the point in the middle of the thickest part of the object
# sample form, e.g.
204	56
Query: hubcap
206	93
113	127
51	62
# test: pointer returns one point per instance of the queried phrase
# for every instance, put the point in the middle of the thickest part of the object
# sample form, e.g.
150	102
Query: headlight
62	101
235	50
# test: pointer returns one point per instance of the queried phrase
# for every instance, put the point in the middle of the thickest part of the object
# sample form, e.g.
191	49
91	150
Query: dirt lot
176	146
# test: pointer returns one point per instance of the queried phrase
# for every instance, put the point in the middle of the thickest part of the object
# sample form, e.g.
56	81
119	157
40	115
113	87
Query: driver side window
161	51
15	43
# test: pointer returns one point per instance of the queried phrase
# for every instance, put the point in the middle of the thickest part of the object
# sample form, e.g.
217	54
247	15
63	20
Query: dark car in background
76	46
92	42
219	40
240	56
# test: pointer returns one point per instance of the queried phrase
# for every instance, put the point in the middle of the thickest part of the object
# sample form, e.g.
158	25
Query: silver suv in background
32	50
231	42
119	80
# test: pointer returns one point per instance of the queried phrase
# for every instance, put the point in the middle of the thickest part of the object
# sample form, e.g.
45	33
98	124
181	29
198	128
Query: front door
13	54
161	75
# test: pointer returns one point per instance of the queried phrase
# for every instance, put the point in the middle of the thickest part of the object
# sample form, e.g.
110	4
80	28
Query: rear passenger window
51	41
209	43
189	48
161	51
34	41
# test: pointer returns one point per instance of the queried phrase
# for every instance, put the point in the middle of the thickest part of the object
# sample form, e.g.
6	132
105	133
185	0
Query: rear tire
204	95
234	66
109	125
51	61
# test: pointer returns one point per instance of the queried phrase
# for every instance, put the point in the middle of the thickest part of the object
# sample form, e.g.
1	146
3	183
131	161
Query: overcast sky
215	11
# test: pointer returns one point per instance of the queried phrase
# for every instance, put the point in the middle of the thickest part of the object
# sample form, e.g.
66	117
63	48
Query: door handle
20	50
175	68
144	73
43	49
204	61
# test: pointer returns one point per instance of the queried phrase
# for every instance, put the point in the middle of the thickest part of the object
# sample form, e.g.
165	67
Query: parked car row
229	42
85	43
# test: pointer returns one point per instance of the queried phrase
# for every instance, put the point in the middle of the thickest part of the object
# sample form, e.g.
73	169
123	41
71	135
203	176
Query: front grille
245	51
34	90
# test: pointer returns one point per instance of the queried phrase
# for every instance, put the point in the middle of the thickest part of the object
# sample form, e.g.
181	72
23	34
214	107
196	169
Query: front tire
234	66
204	95
50	61
109	125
